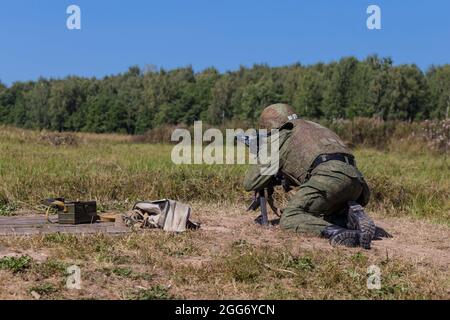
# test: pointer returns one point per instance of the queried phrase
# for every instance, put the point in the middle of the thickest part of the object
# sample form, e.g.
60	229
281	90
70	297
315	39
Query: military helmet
276	115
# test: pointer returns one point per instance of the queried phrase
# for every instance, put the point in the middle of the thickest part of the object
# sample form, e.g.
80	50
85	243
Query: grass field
230	257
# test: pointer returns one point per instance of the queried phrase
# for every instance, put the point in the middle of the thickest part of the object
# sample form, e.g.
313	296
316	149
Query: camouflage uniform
325	191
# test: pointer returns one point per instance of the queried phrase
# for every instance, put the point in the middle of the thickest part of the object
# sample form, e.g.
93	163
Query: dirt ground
422	244
416	241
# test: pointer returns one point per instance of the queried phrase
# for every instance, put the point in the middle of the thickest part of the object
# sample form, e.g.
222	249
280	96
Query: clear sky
222	33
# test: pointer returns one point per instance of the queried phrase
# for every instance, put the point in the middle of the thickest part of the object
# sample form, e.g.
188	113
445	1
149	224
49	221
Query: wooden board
32	225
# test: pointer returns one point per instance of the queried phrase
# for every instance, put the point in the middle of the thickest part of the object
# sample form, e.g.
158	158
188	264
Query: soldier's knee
296	219
284	223
288	220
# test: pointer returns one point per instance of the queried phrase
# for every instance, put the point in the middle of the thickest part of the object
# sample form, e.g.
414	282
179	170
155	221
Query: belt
343	157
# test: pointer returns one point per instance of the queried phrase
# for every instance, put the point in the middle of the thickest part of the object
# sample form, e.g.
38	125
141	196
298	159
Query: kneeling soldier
332	191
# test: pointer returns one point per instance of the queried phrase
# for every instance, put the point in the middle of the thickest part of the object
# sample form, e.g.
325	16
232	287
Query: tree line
145	98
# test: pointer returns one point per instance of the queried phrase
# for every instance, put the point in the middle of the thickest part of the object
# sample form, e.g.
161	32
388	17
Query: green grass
16	264
416	185
304	263
157	265
117	172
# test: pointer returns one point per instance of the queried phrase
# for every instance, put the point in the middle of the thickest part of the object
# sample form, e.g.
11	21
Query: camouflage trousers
322	200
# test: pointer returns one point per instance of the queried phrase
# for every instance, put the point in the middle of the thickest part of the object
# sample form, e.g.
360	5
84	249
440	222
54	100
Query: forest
149	97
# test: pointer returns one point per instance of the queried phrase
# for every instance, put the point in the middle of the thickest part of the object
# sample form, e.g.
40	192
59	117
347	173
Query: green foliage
16	264
137	100
439	84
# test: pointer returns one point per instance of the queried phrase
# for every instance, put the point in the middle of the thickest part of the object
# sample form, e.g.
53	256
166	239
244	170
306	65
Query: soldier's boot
340	236
359	220
381	233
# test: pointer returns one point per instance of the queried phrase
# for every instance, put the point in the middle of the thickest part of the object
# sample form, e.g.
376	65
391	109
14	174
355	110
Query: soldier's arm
254	180
261	176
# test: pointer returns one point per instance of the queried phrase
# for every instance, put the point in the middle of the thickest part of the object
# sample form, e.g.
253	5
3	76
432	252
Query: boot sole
365	240
347	239
381	233
362	222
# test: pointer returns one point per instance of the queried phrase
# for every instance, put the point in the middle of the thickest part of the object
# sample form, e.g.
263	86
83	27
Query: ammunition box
78	212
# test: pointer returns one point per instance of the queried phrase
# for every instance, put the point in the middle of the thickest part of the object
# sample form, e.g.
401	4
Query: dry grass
228	258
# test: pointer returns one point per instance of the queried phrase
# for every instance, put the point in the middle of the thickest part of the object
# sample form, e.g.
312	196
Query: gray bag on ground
169	215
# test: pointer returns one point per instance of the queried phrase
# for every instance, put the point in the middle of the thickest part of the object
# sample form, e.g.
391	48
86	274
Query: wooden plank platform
33	225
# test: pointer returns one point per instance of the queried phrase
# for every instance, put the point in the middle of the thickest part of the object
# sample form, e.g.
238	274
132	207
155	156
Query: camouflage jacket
300	143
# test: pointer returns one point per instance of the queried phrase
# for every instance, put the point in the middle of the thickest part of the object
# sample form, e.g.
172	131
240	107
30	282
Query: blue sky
222	33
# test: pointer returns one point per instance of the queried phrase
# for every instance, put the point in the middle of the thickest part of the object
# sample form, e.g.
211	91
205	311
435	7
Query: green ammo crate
77	212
